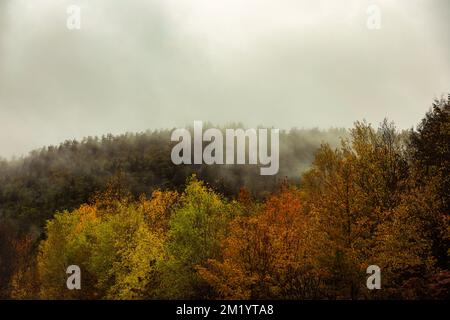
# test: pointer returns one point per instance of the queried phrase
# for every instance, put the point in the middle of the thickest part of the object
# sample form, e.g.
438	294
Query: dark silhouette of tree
430	152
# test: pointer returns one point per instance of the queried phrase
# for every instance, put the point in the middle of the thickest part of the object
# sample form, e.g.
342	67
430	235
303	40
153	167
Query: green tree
196	227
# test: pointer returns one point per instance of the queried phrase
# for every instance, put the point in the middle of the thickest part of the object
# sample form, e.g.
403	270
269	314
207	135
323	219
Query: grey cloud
137	65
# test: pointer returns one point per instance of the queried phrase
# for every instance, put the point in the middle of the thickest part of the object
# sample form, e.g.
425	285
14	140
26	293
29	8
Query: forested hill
61	177
381	198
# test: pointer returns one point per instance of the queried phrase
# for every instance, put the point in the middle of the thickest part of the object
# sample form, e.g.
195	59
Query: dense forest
140	227
62	177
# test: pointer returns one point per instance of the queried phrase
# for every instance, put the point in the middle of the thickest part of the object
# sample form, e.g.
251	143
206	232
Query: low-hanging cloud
136	65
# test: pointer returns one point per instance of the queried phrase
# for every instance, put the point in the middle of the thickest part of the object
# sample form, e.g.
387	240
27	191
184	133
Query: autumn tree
359	192
270	255
67	243
24	283
430	157
118	245
7	236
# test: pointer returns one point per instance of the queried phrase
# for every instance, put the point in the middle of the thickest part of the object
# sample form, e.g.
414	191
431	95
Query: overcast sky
138	65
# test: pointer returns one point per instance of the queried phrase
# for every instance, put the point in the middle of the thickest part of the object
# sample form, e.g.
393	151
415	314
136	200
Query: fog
137	65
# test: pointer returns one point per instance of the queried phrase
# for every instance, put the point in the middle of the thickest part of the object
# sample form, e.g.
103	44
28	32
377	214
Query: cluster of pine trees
381	197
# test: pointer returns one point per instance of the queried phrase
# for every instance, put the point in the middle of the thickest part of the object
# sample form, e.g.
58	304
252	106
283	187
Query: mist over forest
56	178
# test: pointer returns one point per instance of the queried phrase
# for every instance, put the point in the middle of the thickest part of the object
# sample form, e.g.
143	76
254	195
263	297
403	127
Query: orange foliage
268	255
